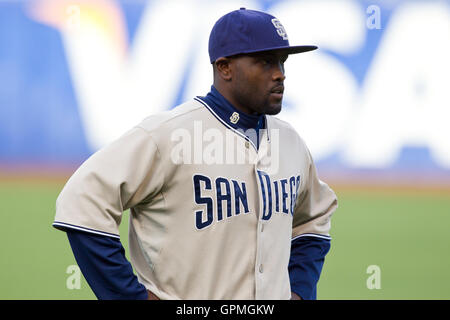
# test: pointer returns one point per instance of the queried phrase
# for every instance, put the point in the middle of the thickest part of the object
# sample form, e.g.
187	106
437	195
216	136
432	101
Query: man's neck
226	93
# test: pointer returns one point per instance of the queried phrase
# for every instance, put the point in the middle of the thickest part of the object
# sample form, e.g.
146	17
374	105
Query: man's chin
273	110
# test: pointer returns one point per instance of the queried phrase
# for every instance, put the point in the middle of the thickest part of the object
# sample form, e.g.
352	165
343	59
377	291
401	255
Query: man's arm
104	265
310	233
118	177
305	265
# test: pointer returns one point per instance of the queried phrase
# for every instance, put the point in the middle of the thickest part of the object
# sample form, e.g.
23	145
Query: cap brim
300	49
288	50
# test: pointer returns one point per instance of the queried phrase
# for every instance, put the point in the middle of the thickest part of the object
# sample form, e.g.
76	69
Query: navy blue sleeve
103	263
305	265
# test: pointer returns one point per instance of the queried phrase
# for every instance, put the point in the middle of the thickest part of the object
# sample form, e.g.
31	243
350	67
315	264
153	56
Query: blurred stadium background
373	104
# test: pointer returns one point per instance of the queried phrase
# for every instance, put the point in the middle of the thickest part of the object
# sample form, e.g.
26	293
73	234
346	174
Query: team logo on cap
280	29
234	118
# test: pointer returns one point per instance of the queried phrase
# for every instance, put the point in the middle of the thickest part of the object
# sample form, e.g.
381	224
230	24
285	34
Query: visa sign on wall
378	85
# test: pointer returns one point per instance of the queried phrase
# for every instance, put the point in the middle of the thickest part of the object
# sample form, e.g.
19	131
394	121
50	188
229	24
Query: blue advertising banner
374	100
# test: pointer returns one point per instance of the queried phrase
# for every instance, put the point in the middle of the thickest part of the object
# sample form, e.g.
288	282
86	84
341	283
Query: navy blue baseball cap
247	31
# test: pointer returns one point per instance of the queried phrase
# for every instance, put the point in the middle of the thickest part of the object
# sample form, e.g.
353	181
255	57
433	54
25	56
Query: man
241	217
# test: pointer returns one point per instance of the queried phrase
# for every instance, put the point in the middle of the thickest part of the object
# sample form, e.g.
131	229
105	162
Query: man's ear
223	68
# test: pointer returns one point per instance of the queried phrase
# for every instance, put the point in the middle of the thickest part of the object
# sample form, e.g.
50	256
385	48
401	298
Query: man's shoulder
277	123
288	129
171	118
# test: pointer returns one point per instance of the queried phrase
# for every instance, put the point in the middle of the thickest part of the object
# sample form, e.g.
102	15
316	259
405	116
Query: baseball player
224	198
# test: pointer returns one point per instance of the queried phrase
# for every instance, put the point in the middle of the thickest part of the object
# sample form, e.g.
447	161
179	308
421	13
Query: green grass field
404	233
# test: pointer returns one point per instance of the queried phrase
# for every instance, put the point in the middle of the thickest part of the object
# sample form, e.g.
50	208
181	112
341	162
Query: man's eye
272	60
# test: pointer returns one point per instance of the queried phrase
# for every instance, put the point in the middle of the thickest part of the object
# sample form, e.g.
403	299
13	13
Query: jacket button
261	268
247	144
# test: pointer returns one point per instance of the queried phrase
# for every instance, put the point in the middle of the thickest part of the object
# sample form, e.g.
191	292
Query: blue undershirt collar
232	116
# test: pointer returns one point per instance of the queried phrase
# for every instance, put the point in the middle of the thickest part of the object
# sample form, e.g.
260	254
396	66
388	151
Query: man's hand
152	296
295	296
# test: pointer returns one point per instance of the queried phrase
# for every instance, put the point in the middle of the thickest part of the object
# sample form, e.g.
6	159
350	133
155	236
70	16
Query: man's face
257	81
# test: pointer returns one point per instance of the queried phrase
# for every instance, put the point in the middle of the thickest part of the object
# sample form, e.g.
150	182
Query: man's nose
278	74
